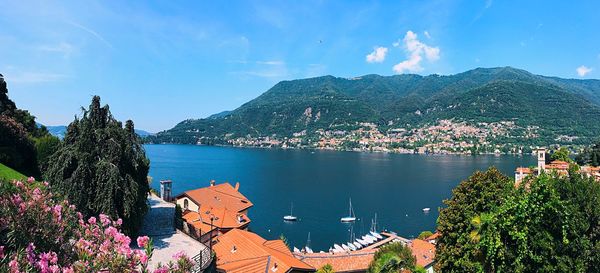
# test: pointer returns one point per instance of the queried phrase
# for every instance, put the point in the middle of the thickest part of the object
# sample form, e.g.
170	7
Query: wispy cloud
426	33
378	55
64	48
488	4
415	51
583	70
271	62
91	32
33	77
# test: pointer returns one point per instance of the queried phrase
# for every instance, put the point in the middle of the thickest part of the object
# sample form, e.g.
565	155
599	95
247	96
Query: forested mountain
557	106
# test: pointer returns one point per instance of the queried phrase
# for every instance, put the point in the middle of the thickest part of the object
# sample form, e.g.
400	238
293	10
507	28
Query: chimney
212	182
237	186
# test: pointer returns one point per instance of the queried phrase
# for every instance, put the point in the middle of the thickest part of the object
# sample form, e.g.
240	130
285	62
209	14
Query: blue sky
161	62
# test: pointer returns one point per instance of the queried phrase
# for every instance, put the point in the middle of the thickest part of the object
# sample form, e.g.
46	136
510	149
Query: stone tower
166	190
541	158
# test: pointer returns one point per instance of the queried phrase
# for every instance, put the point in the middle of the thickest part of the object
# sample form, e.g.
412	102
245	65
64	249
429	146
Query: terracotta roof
243	251
223	218
424	252
219	196
354	262
193	218
433	237
523	170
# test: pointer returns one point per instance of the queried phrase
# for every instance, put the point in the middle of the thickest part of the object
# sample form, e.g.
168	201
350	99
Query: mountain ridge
403	101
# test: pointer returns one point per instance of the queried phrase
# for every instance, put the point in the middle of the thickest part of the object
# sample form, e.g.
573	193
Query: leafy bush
42	233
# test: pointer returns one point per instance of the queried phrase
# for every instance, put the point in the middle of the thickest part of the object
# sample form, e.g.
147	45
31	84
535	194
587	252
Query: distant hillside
60	130
558	106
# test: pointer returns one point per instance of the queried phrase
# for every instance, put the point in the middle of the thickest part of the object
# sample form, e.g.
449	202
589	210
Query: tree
45	146
480	193
561	154
392	258
102	167
425	234
552	225
326	269
17	151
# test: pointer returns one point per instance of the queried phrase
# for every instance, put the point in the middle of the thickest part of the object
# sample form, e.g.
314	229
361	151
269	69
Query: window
185	204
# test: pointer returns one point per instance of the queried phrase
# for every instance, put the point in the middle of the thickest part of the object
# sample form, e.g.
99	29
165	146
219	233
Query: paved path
158	225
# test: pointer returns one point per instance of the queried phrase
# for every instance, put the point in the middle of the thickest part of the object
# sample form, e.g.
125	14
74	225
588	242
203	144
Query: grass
7	173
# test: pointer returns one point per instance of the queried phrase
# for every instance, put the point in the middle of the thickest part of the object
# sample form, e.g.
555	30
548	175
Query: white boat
351	246
308	250
368	239
376	235
372	237
338	248
426	210
362	242
351	217
296	250
290	217
345	247
357	245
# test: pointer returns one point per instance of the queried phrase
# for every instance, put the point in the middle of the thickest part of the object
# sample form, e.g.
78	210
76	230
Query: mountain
60	130
554	105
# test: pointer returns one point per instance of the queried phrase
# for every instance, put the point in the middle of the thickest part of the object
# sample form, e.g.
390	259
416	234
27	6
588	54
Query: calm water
396	187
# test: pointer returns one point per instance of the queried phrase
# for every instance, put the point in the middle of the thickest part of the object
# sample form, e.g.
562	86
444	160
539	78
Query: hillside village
444	137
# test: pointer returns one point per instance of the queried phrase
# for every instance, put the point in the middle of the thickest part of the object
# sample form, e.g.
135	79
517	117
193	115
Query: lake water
319	183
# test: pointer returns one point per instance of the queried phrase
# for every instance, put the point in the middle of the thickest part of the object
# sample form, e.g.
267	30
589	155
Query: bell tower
541	159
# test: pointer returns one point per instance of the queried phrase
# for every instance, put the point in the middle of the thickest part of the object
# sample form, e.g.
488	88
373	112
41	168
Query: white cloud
378	55
583	70
427	34
91	32
271	62
415	51
63	48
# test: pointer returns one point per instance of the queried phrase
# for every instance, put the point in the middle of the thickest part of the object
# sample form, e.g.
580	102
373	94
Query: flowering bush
41	233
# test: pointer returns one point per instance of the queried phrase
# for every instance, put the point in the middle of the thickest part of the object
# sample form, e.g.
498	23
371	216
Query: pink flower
142	241
179	255
104	219
31	179
92	220
1	252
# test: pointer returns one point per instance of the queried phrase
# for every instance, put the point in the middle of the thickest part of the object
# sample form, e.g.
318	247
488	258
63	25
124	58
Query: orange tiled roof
423	251
523	170
219	196
433	236
355	262
558	165
193	218
223	218
243	251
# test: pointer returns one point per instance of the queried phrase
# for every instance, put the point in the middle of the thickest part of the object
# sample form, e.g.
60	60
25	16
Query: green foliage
45	146
480	193
178	217
102	168
17	151
558	106
590	156
7	173
561	154
425	234
392	258
326	269
553	226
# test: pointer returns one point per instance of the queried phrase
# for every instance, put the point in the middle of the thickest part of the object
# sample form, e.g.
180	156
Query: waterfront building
214	210
424	252
244	251
557	166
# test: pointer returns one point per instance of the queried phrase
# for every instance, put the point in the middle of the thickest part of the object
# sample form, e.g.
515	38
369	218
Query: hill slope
557	106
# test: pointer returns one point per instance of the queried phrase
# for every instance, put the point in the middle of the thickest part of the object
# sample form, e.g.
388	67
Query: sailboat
351	217
290	217
307	247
